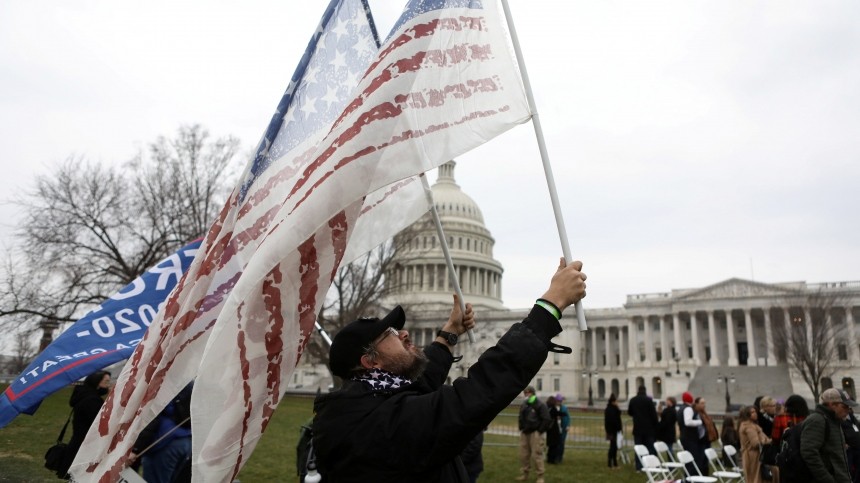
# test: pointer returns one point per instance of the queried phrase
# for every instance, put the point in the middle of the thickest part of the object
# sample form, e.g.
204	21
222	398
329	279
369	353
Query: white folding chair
641	451
653	470
719	470
730	452
666	458
686	457
622	453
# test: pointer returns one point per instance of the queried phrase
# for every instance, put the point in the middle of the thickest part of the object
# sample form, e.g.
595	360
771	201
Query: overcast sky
691	141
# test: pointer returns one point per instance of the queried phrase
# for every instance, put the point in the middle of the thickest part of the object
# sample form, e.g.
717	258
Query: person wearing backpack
533	422
796	410
86	402
822	445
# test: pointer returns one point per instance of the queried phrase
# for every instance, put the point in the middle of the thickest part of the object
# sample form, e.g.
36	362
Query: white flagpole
322	332
550	181
443	242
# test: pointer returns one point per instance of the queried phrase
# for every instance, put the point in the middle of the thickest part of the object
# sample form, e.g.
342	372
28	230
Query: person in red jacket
796	410
395	420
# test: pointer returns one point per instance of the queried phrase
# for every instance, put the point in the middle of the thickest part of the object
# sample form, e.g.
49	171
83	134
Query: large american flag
443	83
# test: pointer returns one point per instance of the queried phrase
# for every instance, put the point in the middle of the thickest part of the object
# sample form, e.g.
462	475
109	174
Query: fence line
585	432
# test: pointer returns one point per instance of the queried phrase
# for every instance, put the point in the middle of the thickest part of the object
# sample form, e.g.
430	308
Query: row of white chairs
663	466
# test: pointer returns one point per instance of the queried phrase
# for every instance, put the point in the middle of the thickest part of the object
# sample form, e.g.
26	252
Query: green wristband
550	307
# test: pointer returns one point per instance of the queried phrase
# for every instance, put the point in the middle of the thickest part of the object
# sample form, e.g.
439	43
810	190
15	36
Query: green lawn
24	441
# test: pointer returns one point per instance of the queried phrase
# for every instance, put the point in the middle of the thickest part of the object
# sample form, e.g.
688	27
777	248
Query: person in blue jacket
165	443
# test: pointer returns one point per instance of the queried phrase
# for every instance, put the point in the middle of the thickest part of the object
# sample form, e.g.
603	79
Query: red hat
687	398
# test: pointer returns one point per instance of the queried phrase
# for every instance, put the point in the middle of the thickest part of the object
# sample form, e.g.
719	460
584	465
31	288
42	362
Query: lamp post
589	374
677	364
720	379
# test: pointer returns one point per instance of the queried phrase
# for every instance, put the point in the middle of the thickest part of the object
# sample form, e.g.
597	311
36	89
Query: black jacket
416	433
471	456
823	449
86	403
666	430
612	420
534	417
644	414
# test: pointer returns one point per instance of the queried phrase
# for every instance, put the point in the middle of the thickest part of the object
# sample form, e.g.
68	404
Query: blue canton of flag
417	7
335	60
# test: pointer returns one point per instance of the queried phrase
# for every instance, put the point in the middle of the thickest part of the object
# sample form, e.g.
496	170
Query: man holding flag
395	420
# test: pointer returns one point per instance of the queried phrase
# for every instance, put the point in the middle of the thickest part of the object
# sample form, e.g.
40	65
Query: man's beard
409	365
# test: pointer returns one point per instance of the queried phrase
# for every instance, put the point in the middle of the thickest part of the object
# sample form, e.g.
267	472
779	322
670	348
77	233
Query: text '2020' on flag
105	336
442	84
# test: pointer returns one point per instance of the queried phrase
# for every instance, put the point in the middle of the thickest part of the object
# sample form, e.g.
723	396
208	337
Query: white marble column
831	331
807	319
649	341
733	345
786	322
665	351
473	279
696	340
768	335
632	343
680	350
608	348
594	360
623	348
853	350
752	360
712	336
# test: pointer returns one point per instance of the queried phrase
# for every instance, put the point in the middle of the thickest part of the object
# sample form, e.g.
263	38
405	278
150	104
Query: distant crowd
768	441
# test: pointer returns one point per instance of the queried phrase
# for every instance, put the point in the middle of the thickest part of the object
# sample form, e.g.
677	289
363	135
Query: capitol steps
750	382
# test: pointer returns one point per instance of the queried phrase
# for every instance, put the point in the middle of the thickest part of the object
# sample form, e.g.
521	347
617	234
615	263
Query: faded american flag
442	84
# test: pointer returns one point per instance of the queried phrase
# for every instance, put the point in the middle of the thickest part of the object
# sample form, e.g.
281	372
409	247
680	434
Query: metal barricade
586	432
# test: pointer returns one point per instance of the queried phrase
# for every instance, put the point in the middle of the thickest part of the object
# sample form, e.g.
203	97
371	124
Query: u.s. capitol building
728	338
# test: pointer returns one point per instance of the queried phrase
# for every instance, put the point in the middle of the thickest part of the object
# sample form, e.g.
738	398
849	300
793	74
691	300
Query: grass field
24	441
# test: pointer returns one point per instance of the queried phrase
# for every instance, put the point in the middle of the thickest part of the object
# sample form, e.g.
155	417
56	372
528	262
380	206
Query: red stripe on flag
274	339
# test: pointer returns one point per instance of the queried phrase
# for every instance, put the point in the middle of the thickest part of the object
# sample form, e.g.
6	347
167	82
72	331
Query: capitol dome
420	276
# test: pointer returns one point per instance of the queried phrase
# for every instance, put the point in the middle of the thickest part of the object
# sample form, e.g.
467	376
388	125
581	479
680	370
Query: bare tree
23	351
356	291
89	229
182	186
810	337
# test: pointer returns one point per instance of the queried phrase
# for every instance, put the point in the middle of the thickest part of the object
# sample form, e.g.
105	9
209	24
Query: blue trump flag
106	335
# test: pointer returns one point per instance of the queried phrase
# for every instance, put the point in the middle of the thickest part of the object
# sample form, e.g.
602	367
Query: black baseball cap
349	344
